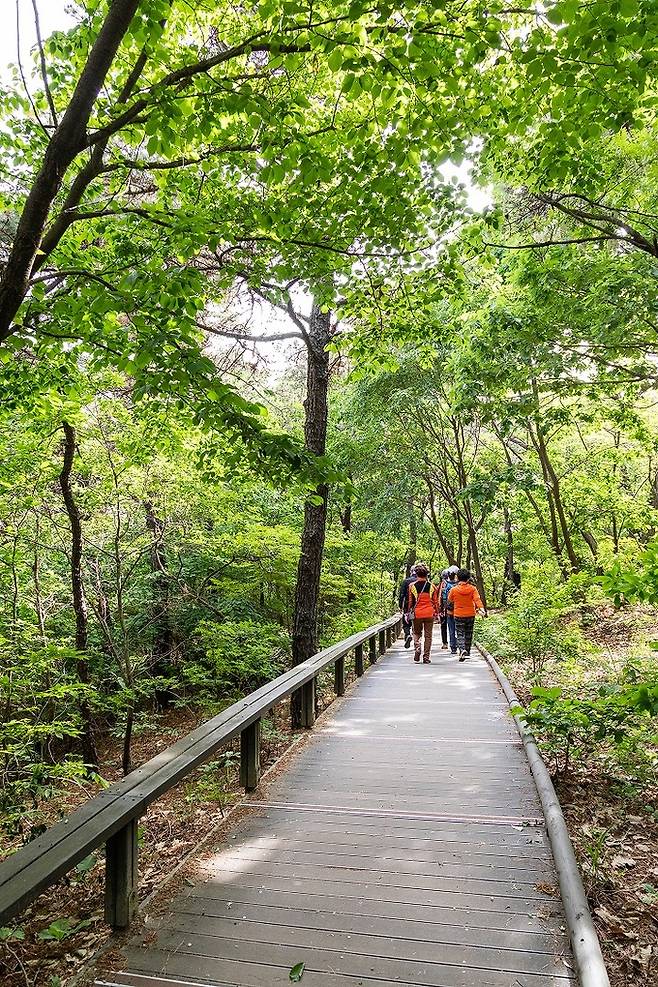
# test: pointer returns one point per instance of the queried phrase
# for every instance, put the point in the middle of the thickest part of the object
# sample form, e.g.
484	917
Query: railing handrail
37	865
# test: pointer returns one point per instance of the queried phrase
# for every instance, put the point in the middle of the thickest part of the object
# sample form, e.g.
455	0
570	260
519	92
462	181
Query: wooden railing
111	818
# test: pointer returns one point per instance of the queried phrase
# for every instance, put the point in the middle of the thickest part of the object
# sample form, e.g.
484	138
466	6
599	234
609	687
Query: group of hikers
454	603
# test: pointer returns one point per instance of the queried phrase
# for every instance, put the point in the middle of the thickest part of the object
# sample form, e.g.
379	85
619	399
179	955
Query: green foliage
63	928
617	716
638	582
539	626
240	656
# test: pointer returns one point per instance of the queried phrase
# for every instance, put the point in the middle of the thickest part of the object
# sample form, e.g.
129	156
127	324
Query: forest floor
611	812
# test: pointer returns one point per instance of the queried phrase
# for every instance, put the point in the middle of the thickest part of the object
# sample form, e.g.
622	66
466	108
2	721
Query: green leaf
297	972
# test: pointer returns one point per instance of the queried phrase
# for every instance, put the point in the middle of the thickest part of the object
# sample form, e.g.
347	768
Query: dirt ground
613	816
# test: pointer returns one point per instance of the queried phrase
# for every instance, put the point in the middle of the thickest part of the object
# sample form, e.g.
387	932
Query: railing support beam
358	660
121	876
339	676
388	637
308	704
372	650
250	756
382	642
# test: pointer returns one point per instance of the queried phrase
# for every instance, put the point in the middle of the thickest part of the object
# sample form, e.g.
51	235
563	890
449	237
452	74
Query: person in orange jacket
423	604
464	602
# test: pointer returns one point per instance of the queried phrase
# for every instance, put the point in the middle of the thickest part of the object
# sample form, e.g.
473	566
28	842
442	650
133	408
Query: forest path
403	843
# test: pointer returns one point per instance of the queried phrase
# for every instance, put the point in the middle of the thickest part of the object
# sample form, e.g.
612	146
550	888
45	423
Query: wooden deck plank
439	910
403	844
445	926
214	958
192	928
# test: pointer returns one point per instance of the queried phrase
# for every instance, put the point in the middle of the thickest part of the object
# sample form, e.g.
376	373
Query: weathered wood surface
404	844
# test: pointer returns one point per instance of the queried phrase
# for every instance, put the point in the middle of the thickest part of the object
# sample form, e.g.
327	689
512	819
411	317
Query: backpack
445	591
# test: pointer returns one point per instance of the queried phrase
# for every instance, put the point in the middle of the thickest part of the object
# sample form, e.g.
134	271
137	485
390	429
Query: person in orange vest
423	606
464	602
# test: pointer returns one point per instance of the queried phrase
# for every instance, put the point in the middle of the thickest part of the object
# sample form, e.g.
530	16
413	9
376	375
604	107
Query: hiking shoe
453	652
407	642
462	656
417	659
427	661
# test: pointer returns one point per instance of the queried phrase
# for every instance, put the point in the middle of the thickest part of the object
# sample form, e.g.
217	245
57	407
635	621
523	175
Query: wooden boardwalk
404	843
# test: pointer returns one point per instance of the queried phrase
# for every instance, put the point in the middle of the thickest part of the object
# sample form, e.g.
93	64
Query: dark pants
444	630
423	627
452	634
464	630
406	625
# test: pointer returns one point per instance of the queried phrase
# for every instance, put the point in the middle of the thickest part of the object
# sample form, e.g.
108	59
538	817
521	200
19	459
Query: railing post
382	642
358	660
372	650
388	638
121	876
339	676
250	756
308	704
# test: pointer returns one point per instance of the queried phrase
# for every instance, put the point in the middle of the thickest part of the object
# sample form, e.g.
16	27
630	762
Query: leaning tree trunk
307	588
78	591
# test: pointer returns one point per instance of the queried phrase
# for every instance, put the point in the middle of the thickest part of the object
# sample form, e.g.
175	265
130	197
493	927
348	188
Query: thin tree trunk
553	486
413	538
307	588
508	575
36	578
448	547
163	641
77	588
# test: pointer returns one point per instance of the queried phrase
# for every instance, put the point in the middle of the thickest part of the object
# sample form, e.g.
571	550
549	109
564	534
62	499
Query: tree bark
309	568
66	143
77	588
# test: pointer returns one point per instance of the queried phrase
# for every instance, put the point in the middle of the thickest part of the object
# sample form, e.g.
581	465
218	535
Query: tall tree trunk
163	640
77	588
508	575
316	414
413	538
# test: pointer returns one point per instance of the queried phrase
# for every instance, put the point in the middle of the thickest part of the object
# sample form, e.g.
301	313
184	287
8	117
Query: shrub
539	624
238	656
617	717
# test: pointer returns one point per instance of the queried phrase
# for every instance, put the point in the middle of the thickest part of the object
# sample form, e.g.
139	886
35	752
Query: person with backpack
403	603
423	597
447	619
464	602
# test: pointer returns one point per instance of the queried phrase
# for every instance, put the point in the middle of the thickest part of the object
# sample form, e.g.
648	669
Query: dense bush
239	656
